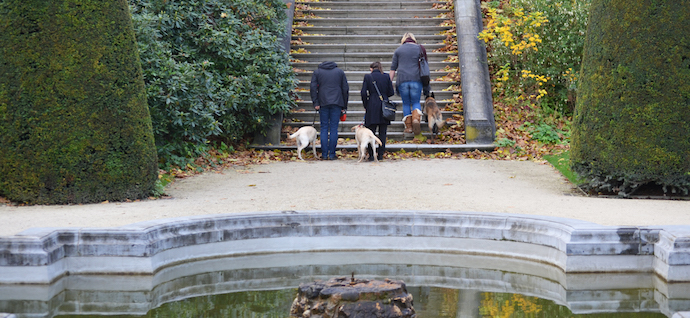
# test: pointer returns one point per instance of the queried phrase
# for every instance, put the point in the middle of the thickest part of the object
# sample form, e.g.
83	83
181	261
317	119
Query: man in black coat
329	95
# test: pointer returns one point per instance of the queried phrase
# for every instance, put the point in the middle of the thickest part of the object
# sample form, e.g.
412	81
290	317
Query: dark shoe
371	158
333	158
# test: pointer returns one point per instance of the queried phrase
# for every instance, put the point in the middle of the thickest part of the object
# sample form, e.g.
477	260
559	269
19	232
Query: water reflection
443	285
432	302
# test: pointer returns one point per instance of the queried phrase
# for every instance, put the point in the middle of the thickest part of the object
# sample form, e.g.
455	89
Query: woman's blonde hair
406	36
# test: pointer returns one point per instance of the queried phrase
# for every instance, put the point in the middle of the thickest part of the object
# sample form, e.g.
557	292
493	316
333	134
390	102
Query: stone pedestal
272	136
349	298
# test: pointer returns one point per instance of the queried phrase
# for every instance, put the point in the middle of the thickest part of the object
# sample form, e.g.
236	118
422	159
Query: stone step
358	47
356	85
306	108
299	119
402	2
355	101
374	1
351	75
394	147
317	8
386	4
402	23
350	122
380	30
364	66
375	12
367	39
394	133
391	136
362	56
441	96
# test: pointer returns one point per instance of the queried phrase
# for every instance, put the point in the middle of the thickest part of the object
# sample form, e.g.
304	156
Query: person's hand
317	107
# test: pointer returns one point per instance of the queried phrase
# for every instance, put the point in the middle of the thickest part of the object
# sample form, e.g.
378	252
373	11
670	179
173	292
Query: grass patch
562	163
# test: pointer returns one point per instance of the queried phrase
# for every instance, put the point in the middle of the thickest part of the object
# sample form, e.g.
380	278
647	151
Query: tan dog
305	136
365	137
433	115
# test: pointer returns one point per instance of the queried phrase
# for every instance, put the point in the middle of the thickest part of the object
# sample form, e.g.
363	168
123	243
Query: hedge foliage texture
632	120
214	70
74	123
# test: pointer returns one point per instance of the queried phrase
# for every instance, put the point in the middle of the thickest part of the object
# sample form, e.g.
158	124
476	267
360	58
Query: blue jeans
410	92
330	118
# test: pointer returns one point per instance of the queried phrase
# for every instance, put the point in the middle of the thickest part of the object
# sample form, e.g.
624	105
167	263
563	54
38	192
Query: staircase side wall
480	127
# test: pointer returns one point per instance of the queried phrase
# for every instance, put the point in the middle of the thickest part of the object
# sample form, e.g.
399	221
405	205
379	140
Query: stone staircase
354	34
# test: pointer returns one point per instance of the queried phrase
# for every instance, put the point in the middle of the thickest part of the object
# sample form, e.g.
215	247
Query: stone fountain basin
43	255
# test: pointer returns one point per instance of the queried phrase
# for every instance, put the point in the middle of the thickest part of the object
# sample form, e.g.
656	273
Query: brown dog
433	115
365	137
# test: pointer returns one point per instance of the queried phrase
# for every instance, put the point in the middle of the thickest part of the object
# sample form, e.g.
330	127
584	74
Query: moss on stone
632	119
74	123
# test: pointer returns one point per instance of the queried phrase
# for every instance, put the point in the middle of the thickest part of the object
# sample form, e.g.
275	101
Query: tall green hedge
214	70
632	120
74	123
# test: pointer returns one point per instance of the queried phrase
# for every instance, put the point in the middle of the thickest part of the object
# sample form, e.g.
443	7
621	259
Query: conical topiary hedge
632	121
74	123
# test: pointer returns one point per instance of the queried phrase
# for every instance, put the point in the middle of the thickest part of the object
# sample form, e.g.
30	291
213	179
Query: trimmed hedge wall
632	120
215	71
74	123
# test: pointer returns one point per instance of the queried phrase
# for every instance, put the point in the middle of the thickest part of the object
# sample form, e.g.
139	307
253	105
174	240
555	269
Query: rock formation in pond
349	298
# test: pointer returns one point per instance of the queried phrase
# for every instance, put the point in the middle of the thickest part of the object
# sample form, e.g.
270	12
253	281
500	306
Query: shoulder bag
424	72
387	107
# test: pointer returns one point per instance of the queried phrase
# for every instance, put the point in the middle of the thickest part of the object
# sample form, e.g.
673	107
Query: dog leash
313	121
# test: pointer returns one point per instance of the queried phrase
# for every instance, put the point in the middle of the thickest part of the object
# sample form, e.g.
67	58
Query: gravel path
417	184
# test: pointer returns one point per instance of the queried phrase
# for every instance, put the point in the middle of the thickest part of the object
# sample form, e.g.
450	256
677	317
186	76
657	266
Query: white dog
365	137
305	136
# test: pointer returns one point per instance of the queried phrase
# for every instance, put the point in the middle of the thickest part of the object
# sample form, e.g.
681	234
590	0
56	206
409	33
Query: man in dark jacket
329	94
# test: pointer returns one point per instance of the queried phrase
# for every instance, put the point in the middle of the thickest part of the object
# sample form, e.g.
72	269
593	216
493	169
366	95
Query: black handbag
388	107
424	72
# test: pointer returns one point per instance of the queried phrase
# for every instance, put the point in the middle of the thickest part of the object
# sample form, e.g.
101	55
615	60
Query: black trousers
383	128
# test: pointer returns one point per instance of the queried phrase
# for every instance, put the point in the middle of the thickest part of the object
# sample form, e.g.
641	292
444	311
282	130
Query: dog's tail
378	141
293	136
437	122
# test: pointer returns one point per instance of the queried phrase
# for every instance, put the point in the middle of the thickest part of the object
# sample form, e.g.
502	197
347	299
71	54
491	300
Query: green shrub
214	69
546	134
505	143
632	123
74	124
535	49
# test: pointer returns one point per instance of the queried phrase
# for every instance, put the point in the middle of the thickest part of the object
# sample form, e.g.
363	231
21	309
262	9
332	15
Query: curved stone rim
42	255
581	293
